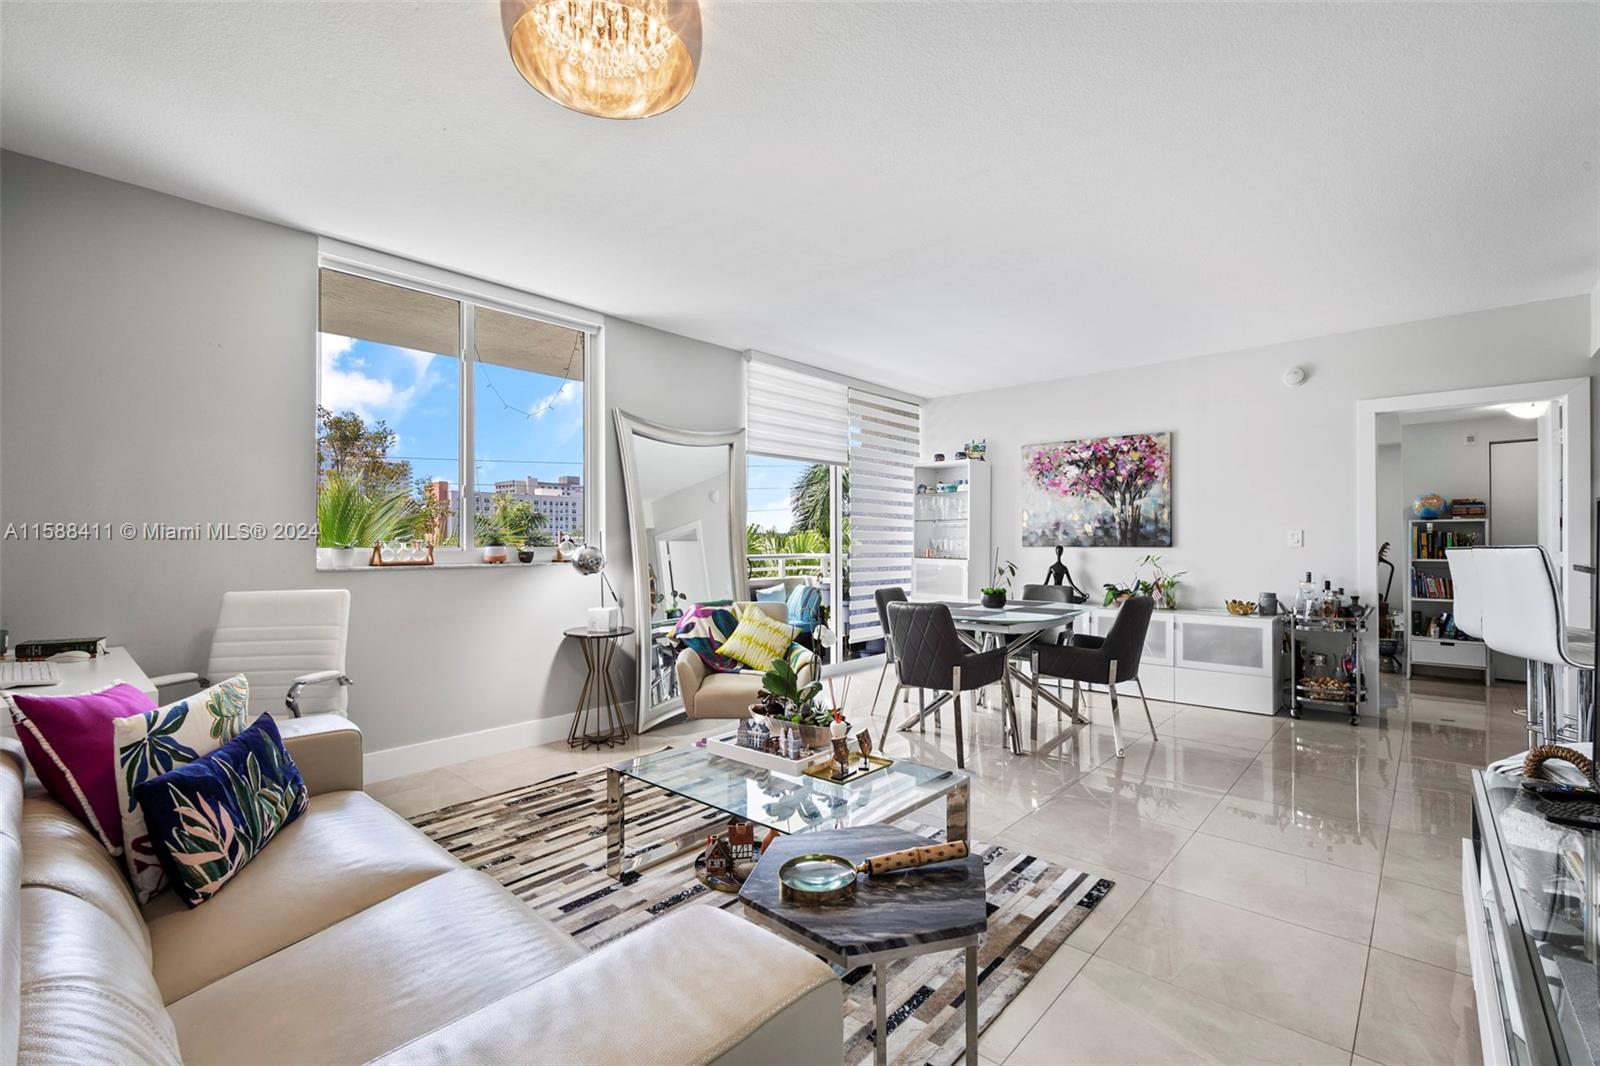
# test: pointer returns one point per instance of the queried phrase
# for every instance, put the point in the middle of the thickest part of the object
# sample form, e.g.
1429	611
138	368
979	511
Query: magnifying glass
819	878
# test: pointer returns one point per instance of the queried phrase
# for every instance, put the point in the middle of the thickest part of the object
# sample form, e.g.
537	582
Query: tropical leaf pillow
150	744
209	817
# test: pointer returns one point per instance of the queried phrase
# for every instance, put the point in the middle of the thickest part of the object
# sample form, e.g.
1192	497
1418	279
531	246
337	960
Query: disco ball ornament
1429	506
588	560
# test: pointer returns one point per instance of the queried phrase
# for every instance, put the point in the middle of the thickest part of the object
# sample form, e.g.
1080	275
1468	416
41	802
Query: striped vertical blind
885	442
795	415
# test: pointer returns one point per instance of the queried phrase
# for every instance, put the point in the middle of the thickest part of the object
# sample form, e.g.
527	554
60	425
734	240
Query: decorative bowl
1240	607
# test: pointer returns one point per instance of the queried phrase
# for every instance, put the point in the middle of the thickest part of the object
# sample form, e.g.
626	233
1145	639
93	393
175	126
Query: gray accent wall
159	366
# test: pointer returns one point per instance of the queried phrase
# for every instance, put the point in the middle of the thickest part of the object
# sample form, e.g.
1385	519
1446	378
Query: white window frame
472	292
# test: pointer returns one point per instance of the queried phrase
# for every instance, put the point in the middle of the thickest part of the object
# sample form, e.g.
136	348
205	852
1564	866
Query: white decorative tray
727	747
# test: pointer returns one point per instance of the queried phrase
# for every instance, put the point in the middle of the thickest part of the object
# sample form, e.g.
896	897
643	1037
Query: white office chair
1522	616
283	642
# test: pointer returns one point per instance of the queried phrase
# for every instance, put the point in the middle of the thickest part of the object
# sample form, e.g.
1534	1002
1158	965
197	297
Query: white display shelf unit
950	537
1458	652
1208	657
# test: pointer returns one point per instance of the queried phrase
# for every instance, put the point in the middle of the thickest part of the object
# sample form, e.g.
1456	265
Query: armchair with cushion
712	687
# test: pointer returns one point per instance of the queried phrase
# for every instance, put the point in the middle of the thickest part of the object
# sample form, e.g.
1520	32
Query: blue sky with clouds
527	424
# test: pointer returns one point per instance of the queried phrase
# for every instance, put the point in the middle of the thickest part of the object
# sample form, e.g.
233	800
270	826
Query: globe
1428	506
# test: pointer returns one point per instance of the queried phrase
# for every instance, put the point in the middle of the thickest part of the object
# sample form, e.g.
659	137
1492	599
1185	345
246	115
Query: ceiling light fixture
1532	409
607	58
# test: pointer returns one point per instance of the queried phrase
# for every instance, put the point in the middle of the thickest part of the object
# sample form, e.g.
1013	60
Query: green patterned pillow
758	639
150	744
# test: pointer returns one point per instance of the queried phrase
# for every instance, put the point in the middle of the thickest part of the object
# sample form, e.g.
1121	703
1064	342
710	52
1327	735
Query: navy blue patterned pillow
209	817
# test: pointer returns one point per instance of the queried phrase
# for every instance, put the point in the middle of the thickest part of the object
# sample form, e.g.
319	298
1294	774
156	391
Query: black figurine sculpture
1058	574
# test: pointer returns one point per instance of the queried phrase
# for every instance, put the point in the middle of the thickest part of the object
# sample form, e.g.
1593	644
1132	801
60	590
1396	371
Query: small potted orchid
995	595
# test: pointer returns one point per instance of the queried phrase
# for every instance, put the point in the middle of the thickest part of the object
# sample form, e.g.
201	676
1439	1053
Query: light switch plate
1297	538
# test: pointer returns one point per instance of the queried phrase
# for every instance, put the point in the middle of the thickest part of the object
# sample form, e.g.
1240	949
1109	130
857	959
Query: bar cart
1329	671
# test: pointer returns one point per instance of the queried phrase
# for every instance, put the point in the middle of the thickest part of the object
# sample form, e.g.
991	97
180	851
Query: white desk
115	665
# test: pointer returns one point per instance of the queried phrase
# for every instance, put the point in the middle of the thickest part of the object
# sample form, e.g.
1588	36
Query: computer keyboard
24	675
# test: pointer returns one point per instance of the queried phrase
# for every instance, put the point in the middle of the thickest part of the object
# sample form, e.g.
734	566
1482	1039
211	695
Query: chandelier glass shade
608	58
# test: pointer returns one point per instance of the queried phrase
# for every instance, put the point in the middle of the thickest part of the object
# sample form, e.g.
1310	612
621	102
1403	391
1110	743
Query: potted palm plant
352	519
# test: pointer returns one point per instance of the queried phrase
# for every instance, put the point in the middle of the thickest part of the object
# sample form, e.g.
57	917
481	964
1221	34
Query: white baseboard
446	751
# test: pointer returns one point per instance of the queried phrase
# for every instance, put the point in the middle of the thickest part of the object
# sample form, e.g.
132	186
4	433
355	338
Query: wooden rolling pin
911	858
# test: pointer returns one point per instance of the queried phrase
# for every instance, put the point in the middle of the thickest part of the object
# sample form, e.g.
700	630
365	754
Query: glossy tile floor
1287	891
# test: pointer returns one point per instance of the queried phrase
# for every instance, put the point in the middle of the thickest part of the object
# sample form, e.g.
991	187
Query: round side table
598	720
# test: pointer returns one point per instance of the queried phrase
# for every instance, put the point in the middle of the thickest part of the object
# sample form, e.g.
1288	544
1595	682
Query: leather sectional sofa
354	938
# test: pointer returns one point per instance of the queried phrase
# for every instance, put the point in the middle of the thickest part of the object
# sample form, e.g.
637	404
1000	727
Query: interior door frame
1576	490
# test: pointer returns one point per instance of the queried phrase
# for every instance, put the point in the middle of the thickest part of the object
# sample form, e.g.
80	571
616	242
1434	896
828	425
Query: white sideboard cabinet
1209	658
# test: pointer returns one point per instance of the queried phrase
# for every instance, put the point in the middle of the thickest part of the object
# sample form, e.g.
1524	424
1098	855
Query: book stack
36	650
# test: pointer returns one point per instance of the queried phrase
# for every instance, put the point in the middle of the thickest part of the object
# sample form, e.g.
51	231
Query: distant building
560	501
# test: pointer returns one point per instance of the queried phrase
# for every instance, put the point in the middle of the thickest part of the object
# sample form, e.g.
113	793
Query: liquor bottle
1304	597
1329	603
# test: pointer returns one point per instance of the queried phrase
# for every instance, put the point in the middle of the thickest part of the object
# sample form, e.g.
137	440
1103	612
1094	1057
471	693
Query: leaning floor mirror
685	492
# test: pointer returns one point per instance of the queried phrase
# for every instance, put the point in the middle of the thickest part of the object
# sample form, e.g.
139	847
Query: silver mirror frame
628	426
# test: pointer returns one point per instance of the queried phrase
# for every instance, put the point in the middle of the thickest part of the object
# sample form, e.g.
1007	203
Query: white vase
327	558
494	553
359	557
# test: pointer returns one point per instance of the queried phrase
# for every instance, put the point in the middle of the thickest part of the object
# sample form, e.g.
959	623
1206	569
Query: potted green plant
1164	586
352	519
675	604
492	539
785	703
995	595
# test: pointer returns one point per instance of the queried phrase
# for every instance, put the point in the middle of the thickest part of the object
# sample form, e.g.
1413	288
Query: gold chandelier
609	58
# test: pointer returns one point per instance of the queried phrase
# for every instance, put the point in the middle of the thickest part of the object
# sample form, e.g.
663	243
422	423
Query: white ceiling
942	197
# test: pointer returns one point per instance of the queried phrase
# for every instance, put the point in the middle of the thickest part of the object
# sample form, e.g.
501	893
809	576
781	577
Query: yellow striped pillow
758	639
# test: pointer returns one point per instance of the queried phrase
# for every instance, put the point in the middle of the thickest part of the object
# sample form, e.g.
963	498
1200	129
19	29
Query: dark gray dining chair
1107	660
1052	594
929	654
883	598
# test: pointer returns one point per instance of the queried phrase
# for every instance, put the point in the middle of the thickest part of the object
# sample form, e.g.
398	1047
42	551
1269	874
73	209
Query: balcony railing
805	564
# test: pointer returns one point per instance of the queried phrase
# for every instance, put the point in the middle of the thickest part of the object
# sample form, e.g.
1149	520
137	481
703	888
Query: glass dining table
1016	626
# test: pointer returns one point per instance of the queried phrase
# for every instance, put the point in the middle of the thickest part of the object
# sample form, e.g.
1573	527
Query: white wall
1438	457
159	366
1253	459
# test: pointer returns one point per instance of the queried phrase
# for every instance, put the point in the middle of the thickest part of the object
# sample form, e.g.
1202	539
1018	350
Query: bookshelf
1430	594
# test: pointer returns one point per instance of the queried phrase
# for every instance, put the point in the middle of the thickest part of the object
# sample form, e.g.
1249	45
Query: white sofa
353	938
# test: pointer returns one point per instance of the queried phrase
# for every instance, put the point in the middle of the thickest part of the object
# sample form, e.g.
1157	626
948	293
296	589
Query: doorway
1514	461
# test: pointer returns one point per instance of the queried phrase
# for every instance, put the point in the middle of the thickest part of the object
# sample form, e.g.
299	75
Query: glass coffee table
779	802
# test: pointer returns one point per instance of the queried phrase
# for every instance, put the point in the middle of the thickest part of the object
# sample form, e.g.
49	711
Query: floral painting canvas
1097	493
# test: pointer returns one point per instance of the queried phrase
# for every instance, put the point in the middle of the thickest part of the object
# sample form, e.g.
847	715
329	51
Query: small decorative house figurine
793	747
759	735
742	738
719	856
742	843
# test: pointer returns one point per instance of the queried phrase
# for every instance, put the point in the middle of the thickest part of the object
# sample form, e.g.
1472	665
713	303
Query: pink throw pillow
69	743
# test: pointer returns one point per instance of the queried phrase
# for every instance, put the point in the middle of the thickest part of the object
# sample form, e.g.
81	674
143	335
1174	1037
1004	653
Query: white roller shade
885	442
796	415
